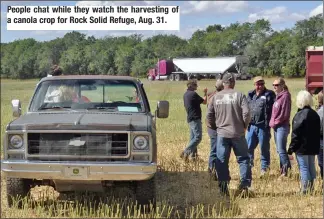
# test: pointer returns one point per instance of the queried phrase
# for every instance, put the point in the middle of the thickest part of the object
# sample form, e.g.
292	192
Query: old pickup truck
83	133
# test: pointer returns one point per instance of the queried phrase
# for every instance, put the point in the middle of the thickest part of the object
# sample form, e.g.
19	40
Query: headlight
141	142
16	141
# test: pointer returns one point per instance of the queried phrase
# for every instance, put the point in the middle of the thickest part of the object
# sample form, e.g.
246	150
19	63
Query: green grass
184	190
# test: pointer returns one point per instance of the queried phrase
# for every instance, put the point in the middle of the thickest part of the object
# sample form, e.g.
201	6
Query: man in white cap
260	101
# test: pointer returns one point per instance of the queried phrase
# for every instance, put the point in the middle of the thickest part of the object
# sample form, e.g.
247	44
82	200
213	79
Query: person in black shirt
192	103
305	140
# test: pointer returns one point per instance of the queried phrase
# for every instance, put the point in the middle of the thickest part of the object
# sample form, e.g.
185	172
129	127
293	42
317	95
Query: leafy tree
270	52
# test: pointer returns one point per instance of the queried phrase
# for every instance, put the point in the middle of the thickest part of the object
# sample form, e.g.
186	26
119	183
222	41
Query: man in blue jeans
192	103
260	102
213	135
229	114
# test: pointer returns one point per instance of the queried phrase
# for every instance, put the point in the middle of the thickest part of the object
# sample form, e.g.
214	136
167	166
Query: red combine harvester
314	69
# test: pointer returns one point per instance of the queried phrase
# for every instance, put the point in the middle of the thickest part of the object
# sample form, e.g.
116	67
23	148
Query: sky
194	15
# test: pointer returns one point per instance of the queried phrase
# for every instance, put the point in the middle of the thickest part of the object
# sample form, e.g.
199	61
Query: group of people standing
239	121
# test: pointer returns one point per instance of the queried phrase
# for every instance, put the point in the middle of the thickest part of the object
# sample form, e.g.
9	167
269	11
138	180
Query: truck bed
314	69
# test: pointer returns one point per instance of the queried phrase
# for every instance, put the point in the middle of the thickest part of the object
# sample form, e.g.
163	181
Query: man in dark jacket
260	102
305	139
192	103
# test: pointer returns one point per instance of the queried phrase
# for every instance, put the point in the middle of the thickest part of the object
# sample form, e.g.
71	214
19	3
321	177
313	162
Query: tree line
271	52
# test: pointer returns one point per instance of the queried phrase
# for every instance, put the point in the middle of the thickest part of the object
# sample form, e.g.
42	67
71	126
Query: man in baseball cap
229	114
260	101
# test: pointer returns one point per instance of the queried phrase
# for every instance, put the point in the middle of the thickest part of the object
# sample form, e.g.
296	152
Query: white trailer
187	68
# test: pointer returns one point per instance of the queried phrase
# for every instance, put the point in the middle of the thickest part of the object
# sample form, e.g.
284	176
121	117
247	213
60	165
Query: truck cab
83	133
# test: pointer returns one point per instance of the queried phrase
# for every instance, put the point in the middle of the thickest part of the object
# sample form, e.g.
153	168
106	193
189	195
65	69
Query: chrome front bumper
63	170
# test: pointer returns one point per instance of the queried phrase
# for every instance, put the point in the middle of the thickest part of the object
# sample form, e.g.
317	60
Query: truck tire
17	189
146	194
171	77
177	77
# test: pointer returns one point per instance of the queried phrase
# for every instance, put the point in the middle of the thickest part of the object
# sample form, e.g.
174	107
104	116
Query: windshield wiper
102	108
55	107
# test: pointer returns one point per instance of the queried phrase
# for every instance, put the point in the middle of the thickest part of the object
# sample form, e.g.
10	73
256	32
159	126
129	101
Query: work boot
223	187
213	174
264	173
184	156
307	187
244	192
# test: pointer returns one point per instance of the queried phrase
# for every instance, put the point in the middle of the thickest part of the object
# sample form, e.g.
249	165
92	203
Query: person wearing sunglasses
280	122
305	139
260	101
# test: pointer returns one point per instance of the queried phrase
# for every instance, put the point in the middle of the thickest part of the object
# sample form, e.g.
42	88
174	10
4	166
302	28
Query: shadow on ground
179	195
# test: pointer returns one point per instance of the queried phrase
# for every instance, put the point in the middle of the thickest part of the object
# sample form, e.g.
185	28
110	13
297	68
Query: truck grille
78	145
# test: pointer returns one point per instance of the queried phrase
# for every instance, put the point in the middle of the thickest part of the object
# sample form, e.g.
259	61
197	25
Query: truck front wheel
17	190
145	193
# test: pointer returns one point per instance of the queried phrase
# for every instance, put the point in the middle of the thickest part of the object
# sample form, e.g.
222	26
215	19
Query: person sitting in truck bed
61	93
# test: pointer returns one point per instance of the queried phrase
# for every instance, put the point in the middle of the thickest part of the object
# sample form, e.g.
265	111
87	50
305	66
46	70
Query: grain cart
314	69
83	133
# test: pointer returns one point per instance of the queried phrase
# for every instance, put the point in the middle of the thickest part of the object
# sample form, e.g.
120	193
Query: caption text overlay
93	18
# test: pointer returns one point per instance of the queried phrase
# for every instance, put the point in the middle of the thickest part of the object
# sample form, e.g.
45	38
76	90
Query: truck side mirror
162	110
16	108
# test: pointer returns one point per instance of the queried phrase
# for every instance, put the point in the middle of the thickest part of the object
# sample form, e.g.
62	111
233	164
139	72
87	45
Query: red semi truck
199	68
314	69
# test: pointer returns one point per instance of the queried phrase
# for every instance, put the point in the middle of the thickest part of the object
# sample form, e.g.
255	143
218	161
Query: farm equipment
314	69
187	68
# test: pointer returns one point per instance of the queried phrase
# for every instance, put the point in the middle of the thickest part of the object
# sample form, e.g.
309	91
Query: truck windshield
85	94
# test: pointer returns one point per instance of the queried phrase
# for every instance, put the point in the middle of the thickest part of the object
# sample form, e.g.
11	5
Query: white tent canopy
205	65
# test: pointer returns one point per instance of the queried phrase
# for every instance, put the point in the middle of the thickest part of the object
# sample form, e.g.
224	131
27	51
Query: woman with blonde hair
280	122
305	139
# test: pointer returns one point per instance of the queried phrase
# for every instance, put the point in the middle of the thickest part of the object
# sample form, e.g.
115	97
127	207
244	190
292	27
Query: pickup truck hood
81	121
